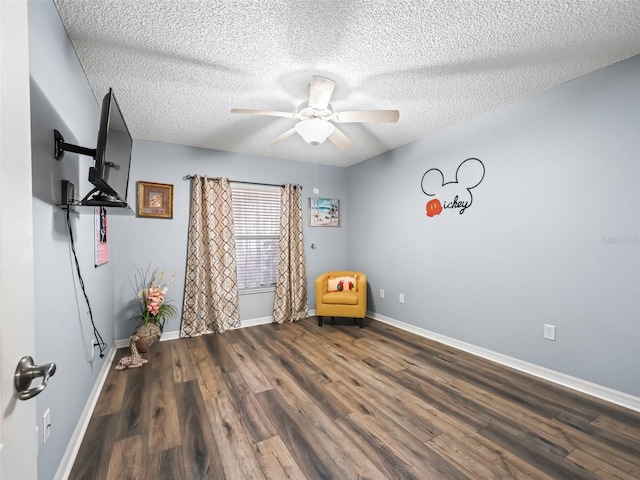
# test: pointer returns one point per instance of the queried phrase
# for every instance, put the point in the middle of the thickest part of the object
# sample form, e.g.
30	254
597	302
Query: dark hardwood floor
302	402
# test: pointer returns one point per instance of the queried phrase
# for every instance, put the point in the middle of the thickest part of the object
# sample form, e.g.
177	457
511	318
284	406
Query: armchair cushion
340	298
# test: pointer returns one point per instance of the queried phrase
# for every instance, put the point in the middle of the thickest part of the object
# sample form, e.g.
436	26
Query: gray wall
138	242
552	235
61	99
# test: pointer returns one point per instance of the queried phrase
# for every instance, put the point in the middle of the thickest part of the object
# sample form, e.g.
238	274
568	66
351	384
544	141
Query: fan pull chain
316	191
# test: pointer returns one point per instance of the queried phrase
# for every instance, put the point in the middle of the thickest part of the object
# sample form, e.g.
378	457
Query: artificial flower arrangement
151	298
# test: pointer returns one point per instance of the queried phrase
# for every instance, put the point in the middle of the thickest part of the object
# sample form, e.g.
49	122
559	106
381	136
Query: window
256	217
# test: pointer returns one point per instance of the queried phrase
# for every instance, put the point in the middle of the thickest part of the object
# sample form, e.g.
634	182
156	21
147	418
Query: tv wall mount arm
61	146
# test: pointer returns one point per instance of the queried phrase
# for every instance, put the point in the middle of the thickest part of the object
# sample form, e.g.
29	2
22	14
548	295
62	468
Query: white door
18	443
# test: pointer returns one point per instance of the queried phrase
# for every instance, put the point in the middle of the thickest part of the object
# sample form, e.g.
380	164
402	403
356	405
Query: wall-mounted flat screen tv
110	172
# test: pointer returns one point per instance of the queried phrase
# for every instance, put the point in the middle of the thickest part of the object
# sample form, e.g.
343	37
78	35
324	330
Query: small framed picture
324	212
155	200
102	246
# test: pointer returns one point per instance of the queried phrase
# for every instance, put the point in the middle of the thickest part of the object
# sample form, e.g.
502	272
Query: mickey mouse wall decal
452	195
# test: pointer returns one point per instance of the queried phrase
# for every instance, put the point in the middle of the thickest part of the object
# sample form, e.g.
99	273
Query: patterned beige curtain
291	287
211	288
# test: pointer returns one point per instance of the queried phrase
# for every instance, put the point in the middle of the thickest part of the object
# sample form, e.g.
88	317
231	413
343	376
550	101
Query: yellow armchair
341	301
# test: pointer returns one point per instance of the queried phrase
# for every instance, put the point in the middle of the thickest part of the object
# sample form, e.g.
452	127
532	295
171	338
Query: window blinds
256	216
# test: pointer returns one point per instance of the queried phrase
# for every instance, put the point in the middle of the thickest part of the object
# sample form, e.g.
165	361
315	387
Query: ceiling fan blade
369	116
286	134
320	92
270	113
340	140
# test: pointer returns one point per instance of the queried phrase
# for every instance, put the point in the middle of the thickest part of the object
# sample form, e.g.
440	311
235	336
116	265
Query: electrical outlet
381	293
401	298
46	426
550	332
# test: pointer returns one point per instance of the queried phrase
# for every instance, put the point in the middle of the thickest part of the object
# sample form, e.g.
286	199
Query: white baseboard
608	394
255	321
264	320
124	342
69	457
176	334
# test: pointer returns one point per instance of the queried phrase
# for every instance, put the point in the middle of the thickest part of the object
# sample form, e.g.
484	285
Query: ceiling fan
315	117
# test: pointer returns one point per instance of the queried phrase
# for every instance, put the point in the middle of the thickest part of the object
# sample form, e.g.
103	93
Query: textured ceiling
179	67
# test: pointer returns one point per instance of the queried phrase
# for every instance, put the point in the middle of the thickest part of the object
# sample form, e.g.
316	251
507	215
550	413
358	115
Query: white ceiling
179	67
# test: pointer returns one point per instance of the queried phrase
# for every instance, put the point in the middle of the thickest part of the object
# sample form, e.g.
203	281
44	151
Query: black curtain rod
189	177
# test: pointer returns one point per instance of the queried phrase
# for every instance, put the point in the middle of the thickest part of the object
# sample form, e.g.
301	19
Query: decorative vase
149	335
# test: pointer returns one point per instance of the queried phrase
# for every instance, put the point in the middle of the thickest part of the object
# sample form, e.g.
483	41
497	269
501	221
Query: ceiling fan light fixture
314	131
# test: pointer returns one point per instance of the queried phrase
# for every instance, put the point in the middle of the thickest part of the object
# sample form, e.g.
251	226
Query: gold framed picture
155	200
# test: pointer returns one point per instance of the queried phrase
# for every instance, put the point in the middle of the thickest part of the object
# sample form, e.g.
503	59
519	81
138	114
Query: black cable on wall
101	344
